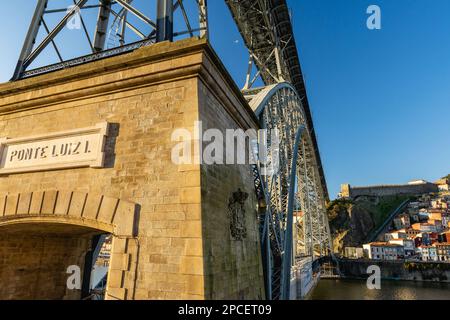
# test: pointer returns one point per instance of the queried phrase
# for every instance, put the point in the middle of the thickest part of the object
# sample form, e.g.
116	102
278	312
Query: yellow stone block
24	203
49	203
190	195
192	266
191	229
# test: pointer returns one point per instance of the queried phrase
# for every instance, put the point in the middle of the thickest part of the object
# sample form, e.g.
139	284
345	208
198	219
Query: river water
390	290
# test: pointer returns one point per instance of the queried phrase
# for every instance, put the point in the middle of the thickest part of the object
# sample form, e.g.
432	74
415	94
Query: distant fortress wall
348	191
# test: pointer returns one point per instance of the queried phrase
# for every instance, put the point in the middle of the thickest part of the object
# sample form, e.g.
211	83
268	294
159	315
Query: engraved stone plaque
61	150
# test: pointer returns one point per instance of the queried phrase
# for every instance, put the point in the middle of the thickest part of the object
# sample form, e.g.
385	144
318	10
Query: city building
437	224
412	233
428	238
407	244
400	234
446	220
423	216
443	185
428	253
439	204
436	215
443	251
446	236
422	229
384	251
354	252
425	227
402	221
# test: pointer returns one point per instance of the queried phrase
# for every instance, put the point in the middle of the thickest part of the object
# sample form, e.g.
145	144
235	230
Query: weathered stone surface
32	263
11	205
63	202
24	203
36	202
48	206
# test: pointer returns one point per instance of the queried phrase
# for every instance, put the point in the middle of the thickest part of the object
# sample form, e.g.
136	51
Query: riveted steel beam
164	21
30	38
101	31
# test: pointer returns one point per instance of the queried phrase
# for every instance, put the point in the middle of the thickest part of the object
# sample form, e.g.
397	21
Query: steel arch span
293	205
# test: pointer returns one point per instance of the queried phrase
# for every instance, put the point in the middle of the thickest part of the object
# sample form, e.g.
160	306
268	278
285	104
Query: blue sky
380	99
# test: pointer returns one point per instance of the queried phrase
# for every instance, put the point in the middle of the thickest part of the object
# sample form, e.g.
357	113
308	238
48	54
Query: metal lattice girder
102	25
62	23
164	20
295	189
114	18
31	37
266	28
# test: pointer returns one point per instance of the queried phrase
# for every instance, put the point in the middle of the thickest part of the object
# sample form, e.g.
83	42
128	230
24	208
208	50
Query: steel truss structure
116	25
292	199
265	26
295	218
293	214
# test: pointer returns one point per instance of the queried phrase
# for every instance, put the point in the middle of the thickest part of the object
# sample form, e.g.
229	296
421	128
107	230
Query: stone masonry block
192	265
36	202
191	229
195	284
190	195
119	245
63	202
192	179
11	205
194	247
24	203
77	204
48	205
116	293
92	206
107	209
120	261
2	204
115	278
124	218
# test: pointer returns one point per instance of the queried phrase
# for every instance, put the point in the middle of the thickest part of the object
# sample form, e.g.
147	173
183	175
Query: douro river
390	290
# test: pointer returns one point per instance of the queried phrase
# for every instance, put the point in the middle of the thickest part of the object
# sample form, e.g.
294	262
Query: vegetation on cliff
352	222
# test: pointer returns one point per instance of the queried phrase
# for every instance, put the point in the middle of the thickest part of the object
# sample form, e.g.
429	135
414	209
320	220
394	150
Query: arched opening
47	260
57	245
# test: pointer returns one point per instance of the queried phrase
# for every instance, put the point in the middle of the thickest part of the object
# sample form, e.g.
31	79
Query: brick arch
99	212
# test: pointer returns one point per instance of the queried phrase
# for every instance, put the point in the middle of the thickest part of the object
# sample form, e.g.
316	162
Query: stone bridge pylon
170	222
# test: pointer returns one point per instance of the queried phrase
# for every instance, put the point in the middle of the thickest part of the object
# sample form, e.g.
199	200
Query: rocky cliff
353	221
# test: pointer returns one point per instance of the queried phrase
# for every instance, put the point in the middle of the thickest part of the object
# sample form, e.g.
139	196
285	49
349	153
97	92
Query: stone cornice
146	66
145	55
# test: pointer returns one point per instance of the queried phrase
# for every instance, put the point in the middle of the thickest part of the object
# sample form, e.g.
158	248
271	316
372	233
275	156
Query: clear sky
380	99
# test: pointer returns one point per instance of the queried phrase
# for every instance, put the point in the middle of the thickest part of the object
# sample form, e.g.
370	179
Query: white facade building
384	251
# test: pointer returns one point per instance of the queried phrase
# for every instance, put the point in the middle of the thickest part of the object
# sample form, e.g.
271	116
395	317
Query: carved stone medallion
236	213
